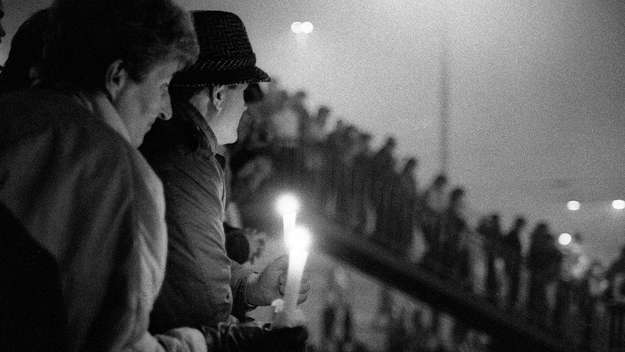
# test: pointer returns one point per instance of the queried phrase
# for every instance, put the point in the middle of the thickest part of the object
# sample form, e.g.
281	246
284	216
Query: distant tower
444	98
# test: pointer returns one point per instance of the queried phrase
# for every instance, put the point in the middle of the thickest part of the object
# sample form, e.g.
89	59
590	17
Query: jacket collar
187	111
100	106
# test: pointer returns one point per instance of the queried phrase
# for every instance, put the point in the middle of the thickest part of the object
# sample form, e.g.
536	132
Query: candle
297	241
288	207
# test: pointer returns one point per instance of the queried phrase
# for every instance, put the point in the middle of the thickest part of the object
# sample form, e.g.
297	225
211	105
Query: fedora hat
226	55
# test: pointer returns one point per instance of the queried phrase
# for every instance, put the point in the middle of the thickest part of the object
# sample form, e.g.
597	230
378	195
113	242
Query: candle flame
287	203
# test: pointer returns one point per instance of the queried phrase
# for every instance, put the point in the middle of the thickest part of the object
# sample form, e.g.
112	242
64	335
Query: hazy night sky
537	92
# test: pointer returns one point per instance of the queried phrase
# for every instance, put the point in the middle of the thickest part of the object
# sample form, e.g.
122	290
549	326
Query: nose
166	111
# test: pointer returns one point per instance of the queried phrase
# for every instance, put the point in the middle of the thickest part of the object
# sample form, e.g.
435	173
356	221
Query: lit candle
297	242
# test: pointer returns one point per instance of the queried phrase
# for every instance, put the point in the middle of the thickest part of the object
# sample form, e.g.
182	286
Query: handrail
509	333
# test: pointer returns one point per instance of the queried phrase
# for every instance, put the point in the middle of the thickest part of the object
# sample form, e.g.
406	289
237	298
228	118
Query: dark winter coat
200	278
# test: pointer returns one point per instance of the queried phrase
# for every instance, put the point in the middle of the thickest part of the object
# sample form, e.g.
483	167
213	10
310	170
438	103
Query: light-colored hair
87	36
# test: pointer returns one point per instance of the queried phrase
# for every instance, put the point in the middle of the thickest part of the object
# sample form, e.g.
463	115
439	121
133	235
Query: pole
444	93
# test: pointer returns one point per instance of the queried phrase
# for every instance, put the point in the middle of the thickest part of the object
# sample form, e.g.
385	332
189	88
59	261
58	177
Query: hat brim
203	78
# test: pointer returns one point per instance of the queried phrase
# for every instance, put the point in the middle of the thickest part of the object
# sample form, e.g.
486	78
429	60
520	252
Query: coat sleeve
238	283
143	269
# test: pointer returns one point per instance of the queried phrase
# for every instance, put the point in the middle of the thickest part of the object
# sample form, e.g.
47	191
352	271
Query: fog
537	92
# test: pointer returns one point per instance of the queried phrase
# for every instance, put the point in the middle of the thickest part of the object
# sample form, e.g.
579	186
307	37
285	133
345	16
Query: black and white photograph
312	175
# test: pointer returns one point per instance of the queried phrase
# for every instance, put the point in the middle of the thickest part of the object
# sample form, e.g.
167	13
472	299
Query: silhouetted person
316	131
332	149
616	276
387	228
298	105
573	266
434	196
285	129
490	230
313	151
511	252
348	149
385	192
383	165
592	288
363	173
455	253
434	203
494	237
543	263
408	203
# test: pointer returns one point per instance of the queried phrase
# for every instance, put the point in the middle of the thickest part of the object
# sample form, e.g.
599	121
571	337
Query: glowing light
565	239
573	205
618	204
287	204
302	27
296	27
298	240
307	27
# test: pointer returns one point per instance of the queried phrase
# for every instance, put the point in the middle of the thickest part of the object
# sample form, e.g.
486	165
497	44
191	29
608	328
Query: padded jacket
69	174
201	283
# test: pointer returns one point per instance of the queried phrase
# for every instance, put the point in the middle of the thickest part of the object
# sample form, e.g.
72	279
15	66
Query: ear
115	79
218	97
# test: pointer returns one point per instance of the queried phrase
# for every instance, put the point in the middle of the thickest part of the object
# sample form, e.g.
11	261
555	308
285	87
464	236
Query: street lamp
573	205
565	239
302	27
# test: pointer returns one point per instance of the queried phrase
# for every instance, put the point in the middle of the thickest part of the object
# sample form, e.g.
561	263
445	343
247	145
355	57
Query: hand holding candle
297	242
265	287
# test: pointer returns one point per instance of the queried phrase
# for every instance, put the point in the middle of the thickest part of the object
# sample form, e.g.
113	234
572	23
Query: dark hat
226	55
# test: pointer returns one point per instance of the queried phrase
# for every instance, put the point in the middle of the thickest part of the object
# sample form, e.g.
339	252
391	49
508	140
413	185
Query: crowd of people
374	196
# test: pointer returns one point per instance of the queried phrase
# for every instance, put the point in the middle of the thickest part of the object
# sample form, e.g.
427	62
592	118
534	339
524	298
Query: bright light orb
618	204
307	27
565	239
296	27
573	205
287	204
302	27
298	240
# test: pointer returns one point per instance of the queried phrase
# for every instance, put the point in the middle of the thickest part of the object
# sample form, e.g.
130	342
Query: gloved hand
255	337
264	288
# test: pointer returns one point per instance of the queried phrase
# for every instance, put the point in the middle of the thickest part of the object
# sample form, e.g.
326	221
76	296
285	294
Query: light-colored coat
71	177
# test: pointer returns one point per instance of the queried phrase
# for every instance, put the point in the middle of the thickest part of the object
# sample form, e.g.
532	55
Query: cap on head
226	55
